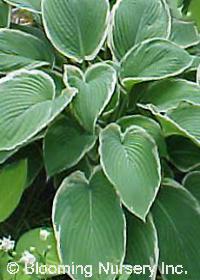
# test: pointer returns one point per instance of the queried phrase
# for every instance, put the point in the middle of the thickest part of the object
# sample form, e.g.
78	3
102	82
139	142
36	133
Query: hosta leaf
95	90
183	153
136	21
4	14
4	155
89	223
113	104
130	161
19	49
151	126
142	246
192	183
12	183
65	144
186	118
29	108
177	218
153	60
184	34
183	120
58	80
76	28
31	5
167	94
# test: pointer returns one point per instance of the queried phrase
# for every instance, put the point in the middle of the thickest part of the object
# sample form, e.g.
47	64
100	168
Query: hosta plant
100	138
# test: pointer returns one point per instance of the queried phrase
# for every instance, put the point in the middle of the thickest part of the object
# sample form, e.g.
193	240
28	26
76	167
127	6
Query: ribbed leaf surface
95	90
21	50
89	223
153	60
151	127
167	94
136	21
28	108
130	161
77	28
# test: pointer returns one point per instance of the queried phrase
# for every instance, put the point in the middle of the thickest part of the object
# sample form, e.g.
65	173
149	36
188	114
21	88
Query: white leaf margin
71	91
110	41
84	75
20	6
73	57
155	154
57	230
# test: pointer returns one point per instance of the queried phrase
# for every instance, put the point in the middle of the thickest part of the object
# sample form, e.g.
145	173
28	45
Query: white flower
6	244
44	234
27	258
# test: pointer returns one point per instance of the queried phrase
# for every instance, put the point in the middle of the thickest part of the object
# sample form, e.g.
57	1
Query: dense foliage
100	136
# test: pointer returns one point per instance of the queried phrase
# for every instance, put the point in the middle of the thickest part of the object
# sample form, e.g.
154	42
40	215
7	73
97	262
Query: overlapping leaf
153	60
19	49
95	90
184	33
177	218
183	153
192	183
89	223
130	161
167	94
151	126
31	5
151	19
65	144
29	108
76	28
142	246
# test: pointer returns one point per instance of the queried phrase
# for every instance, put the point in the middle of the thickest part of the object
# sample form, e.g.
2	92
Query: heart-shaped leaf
12	182
65	144
151	127
89	223
29	108
95	90
21	50
176	215
167	94
130	161
4	14
153	60
76	28
30	5
136	21
142	246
